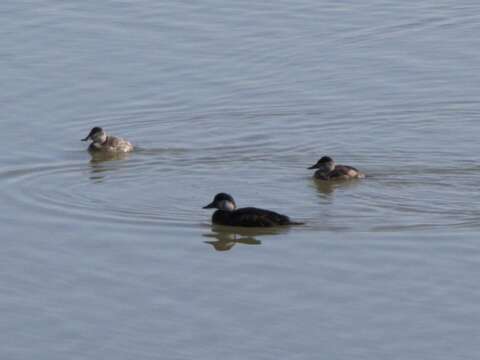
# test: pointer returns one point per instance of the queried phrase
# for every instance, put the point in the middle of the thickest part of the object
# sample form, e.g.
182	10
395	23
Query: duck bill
85	139
209	206
313	167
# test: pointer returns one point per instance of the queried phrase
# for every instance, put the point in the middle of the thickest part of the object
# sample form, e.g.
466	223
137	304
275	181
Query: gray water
117	260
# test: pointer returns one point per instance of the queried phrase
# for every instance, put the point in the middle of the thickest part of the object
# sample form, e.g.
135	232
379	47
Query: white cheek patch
226	205
100	137
326	168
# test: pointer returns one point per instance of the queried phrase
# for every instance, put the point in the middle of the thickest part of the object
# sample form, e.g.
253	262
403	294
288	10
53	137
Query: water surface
117	260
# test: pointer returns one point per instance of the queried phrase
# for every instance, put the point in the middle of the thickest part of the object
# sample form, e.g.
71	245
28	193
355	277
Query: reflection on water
225	242
227	236
104	162
98	157
327	188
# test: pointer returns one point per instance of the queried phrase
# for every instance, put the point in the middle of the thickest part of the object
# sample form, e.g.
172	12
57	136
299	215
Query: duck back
346	172
112	144
341	172
250	217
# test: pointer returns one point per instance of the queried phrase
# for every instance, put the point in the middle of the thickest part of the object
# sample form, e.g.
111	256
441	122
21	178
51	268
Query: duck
228	214
101	142
328	170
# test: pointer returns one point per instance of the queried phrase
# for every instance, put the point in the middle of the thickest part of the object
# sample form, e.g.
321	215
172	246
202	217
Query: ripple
93	191
263	165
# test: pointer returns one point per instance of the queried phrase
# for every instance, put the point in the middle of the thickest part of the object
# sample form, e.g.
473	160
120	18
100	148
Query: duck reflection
228	236
101	163
326	188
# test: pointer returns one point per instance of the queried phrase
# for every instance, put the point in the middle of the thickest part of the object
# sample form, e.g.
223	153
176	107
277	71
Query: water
117	260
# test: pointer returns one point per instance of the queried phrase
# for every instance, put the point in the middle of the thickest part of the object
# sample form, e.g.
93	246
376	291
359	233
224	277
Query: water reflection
100	163
228	236
327	188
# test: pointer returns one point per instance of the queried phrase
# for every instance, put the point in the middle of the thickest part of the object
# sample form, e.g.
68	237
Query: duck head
97	135
325	163
222	201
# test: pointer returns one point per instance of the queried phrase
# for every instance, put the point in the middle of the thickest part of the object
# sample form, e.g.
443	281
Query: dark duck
228	214
328	170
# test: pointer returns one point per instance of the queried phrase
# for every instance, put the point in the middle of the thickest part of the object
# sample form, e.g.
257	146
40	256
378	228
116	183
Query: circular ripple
113	191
